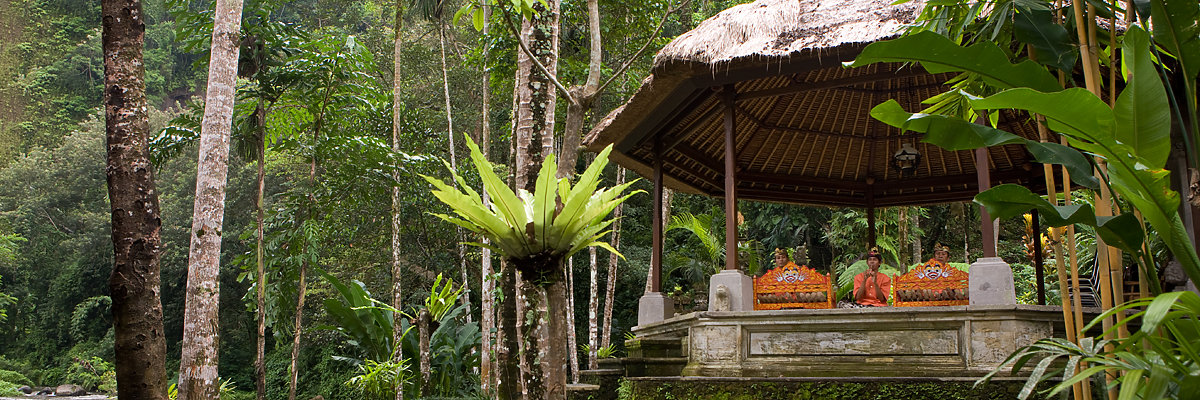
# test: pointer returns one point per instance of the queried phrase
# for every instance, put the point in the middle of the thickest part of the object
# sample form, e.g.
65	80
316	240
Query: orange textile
869	299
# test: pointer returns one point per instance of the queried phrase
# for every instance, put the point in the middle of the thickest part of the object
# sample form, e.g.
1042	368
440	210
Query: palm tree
535	232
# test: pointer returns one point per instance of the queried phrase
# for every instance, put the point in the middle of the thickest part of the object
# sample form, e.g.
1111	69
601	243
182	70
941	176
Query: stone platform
951	341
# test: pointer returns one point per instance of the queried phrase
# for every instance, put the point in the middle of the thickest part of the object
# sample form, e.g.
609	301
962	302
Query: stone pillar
739	291
654	307
991	282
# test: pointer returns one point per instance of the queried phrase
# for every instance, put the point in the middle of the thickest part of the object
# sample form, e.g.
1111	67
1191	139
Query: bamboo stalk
1059	259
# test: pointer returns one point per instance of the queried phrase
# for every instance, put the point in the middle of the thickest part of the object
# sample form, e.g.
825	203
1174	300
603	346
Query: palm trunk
397	219
260	366
610	289
198	377
136	225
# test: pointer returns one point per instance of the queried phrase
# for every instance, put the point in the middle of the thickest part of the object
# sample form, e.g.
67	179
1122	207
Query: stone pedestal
992	282
654	307
739	290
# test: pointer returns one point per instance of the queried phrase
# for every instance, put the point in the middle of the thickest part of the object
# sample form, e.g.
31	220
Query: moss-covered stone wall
670	389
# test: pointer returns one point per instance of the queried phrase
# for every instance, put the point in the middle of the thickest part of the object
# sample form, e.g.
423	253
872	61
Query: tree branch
657	30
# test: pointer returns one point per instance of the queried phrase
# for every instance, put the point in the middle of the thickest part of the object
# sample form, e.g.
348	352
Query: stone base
992	282
739	291
654	307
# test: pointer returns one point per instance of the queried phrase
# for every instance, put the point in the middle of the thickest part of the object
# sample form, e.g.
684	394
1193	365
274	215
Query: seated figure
871	288
791	286
934	283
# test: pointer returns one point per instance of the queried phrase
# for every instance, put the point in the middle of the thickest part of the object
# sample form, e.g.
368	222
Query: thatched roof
803	133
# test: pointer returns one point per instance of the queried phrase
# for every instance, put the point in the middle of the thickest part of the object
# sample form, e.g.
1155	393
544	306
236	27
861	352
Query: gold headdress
875	253
940	247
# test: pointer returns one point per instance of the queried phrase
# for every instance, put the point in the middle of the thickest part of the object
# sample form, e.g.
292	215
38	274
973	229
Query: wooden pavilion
755	104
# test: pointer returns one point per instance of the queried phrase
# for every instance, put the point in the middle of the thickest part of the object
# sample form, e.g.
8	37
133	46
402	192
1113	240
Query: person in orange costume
871	288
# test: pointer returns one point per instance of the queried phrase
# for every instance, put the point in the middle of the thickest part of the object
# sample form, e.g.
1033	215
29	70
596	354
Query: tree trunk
572	339
555	359
532	352
260	366
610	289
397	219
593	308
914	223
487	286
507	344
536	95
198	377
583	96
134	284
423	328
303	287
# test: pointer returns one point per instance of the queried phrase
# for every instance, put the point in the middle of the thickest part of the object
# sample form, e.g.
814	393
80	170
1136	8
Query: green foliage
91	374
14	377
531	229
441	299
1160	360
609	351
696	265
379	379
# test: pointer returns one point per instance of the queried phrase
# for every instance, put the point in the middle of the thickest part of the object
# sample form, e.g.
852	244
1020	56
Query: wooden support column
984	177
656	254
728	97
871	241
1037	258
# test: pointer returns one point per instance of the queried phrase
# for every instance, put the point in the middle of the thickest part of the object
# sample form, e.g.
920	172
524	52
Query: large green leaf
1143	115
938	54
1123	231
1075	162
1055	46
946	132
1011	200
1074	111
1176	30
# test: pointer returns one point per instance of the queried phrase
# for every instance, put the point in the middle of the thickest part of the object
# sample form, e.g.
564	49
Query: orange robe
869	299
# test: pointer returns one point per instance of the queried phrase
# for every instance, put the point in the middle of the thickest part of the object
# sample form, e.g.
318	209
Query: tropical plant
1153	364
379	379
1130	139
609	351
536	232
441	298
699	265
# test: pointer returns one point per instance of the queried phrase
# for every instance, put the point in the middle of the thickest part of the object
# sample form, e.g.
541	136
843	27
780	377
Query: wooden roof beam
833	83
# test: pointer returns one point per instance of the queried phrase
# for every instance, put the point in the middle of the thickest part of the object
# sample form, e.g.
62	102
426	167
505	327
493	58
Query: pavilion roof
803	132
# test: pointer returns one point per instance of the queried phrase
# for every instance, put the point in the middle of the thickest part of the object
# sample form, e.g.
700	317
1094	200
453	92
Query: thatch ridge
781	28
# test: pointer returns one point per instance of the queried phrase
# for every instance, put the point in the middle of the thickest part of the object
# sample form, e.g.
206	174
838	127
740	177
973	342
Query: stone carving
721	302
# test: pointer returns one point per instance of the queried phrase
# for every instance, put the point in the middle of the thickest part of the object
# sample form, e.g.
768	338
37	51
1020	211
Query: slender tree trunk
583	96
397	206
572	340
487	286
593	308
198	377
424	326
610	289
260	366
302	286
136	226
462	248
914	223
533	352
